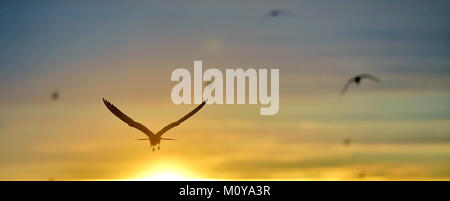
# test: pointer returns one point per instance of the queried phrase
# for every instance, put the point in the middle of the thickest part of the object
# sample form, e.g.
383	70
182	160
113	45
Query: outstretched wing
127	119
370	77
165	129
349	82
282	12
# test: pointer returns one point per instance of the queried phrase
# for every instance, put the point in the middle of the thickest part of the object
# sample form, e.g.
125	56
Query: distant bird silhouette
276	13
154	139
362	175
347	141
55	95
357	79
208	83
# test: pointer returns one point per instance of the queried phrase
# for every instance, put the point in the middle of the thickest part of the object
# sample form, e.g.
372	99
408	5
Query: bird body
358	79
347	141
55	95
154	139
276	13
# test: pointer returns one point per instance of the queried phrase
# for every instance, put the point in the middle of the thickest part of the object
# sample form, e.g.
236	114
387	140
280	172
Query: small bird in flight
276	13
208	83
357	79
362	175
347	141
154	139
55	95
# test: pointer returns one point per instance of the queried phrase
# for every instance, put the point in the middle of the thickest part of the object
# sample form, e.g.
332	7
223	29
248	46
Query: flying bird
208	83
154	139
55	95
276	13
347	141
357	79
362	175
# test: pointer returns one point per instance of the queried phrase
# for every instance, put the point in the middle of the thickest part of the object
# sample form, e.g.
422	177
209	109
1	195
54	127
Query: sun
167	176
167	171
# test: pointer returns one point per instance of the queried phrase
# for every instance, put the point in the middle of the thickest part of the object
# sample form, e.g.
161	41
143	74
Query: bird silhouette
208	84
55	95
276	13
362	175
347	141
154	139
357	79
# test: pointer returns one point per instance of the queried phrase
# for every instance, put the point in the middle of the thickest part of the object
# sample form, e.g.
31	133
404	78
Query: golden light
167	176
167	171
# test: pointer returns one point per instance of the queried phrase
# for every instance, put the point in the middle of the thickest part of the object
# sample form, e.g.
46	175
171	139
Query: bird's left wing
168	127
347	84
127	119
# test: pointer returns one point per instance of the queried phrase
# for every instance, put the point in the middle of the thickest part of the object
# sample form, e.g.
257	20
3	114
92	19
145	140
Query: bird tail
167	139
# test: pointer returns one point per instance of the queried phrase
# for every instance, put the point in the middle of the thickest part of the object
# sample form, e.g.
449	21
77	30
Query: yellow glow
167	171
166	176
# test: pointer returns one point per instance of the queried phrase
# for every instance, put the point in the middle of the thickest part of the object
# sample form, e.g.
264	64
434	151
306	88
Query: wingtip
106	101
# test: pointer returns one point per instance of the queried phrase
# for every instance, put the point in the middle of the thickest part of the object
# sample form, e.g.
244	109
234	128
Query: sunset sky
125	51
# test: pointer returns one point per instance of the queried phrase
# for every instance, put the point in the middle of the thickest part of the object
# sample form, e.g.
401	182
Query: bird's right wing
285	12
349	82
127	119
370	77
165	129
